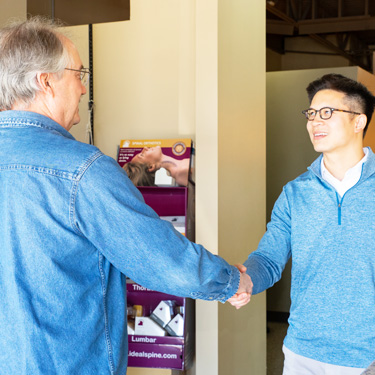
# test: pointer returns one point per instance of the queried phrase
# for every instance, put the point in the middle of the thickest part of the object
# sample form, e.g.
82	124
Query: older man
73	225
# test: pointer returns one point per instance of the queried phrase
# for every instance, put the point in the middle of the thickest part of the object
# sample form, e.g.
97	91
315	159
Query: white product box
178	222
163	313
145	326
176	326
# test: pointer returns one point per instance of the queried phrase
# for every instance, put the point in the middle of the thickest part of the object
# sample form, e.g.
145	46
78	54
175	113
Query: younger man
325	221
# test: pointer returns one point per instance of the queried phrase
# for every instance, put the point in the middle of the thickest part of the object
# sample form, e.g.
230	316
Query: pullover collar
368	167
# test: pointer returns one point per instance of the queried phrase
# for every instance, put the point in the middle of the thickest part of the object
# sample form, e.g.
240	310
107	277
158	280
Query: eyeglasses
325	113
84	74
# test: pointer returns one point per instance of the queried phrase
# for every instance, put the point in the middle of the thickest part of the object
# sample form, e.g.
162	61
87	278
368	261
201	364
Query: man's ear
360	123
44	82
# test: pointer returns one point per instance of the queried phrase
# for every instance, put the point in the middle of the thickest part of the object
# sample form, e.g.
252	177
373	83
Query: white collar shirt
351	177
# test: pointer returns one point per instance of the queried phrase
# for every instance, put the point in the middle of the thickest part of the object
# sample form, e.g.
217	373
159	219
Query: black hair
354	91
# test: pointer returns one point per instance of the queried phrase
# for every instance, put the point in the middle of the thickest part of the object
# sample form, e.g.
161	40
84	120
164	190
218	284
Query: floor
276	332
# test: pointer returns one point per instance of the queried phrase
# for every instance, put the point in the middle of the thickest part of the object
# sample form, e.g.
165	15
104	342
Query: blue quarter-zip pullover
332	244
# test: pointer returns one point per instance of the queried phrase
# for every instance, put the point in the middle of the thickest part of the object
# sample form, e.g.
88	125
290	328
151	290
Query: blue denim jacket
72	226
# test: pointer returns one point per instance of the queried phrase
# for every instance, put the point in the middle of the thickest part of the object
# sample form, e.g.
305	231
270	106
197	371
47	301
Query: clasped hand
243	295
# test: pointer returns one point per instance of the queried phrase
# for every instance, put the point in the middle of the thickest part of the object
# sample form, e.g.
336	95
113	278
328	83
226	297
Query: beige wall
207	194
12	9
241	179
144	79
80	37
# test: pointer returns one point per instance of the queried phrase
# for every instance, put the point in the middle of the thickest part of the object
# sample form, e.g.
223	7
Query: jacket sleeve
266	264
110	212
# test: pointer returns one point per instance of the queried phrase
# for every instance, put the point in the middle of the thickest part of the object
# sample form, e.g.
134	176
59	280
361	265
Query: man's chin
76	120
318	147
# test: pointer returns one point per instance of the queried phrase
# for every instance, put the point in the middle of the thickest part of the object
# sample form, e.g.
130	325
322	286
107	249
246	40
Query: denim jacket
72	226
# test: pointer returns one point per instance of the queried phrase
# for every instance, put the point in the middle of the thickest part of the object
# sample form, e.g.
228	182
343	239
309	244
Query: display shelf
158	351
169	352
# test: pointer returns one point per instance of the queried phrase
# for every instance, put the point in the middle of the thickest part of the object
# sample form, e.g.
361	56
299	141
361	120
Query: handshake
242	297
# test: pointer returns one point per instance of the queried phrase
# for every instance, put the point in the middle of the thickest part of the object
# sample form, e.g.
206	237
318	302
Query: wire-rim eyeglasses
84	74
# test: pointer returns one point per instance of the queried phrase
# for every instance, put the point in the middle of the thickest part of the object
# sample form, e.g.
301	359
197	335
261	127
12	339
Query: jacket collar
367	170
27	119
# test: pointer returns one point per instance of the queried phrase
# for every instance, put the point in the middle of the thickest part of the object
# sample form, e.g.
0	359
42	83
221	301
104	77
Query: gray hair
26	49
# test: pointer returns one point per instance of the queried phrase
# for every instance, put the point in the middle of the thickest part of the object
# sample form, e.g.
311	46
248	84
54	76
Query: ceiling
345	27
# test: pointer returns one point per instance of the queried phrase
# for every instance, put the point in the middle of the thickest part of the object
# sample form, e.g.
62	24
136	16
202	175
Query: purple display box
154	351
166	201
155	356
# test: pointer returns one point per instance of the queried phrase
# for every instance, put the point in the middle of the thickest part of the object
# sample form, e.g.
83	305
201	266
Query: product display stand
168	351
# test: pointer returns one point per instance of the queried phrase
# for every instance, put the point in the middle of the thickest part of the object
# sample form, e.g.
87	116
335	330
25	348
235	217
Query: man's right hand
245	289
